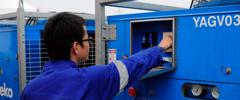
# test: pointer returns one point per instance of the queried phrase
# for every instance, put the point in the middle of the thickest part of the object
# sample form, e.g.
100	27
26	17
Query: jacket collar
60	64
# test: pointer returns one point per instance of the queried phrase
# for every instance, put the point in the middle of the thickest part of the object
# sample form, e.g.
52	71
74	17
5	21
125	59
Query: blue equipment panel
8	63
207	49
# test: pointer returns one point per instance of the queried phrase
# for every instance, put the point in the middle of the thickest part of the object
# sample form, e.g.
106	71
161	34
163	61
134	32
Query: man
67	43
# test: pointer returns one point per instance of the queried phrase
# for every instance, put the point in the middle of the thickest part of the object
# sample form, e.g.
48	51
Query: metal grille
34	58
106	52
37	56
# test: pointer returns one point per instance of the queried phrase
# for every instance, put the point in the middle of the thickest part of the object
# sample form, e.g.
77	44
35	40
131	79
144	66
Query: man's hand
166	42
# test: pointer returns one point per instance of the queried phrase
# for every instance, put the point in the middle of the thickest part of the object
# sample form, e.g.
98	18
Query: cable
191	5
28	21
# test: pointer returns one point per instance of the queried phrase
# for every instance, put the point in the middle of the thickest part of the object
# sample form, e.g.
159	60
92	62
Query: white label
5	91
167	59
217	21
112	55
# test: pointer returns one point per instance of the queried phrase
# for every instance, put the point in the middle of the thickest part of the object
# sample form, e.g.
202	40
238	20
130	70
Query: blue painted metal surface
8	63
9	79
121	35
207	52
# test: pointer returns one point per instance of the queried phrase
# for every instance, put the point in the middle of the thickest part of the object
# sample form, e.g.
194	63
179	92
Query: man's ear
75	47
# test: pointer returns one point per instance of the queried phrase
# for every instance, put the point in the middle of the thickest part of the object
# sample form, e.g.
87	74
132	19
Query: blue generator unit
35	53
204	61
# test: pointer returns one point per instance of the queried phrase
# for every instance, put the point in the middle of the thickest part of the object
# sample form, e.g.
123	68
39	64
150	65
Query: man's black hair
60	32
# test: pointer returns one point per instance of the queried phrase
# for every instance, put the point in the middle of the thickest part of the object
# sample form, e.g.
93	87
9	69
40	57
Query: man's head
66	37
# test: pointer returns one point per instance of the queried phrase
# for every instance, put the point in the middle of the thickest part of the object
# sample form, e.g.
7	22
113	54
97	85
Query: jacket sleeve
115	76
139	64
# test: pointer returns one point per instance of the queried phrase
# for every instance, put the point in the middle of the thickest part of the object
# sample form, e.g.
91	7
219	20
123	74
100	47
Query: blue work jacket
63	80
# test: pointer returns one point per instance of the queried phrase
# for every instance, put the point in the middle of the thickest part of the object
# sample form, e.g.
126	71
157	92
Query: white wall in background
83	6
7	6
88	6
